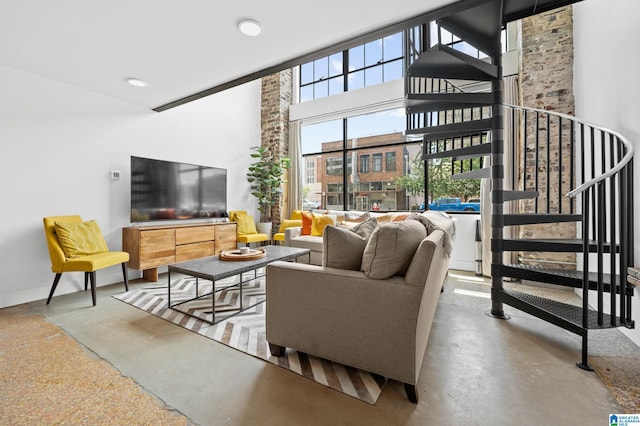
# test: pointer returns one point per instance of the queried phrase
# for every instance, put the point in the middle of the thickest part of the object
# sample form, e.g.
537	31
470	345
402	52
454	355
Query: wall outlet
115	174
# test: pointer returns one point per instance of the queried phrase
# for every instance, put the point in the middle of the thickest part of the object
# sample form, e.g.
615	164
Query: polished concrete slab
478	370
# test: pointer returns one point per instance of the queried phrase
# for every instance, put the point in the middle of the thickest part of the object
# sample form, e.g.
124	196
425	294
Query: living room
60	143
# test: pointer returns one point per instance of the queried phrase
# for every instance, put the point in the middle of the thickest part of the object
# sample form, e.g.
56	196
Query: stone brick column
277	95
546	76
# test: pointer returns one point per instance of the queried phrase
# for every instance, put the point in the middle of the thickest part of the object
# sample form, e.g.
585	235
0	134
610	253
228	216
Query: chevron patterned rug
246	331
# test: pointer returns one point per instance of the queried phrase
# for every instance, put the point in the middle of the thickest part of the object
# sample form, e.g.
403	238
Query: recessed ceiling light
250	27
136	82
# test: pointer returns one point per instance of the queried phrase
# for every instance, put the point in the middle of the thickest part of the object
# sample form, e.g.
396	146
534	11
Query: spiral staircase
545	169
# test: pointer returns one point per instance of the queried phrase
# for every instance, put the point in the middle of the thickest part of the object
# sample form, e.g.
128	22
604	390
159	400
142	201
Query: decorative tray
238	255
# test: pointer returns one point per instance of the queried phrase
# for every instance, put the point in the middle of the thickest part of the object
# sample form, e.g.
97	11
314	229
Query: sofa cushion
391	247
319	222
342	248
80	238
307	241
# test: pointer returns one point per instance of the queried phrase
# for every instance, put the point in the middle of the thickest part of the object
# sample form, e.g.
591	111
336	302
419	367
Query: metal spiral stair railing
602	184
593	200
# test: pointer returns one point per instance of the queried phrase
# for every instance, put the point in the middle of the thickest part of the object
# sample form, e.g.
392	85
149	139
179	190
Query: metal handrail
591	182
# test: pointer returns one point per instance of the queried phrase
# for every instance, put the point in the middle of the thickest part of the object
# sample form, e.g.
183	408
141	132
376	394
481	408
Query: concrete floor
477	370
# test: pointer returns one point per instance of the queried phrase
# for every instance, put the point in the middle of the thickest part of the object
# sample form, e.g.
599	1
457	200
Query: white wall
606	68
58	144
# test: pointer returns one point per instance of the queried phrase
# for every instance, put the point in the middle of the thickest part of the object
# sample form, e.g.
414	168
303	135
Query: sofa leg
412	392
276	350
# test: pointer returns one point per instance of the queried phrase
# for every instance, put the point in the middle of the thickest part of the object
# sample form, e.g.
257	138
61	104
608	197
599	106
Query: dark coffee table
214	269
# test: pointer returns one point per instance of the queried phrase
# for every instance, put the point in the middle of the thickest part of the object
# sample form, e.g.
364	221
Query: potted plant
266	177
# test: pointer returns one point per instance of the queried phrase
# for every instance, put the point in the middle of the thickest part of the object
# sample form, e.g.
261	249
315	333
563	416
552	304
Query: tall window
377	162
334	166
384	167
311	171
375	62
390	161
361	66
367	142
364	163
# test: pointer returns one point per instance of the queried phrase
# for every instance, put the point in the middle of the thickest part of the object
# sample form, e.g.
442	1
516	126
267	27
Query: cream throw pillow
80	238
391	247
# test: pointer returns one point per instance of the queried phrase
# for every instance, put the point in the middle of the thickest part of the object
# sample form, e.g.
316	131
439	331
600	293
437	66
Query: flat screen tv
167	190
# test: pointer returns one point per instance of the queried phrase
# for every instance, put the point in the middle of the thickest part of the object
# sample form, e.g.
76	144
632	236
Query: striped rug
246	331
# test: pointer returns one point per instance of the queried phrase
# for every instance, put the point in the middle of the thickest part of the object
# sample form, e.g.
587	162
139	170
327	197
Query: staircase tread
537	218
482	97
452	130
443	61
543	214
418	105
572	278
519	9
509	195
552	245
483	173
552	240
568	312
471	151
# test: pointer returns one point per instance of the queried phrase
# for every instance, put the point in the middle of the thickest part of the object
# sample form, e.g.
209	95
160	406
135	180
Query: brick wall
277	94
546	77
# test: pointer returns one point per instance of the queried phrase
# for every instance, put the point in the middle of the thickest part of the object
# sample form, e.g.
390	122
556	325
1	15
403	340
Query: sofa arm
346	317
291	232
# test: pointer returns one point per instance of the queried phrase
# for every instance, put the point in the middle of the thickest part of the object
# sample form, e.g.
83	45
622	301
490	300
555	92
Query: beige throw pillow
391	247
366	228
342	248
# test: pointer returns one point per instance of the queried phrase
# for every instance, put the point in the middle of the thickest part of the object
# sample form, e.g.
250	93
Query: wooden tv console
159	245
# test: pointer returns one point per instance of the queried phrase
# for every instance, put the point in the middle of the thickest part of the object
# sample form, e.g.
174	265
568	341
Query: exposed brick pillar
546	76
277	94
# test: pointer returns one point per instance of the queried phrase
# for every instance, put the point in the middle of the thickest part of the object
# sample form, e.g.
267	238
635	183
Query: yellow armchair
77	246
295	220
247	232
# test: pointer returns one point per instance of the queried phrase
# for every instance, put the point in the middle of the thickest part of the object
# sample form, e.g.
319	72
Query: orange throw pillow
307	220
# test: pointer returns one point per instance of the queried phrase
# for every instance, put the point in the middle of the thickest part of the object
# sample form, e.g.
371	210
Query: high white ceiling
179	47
